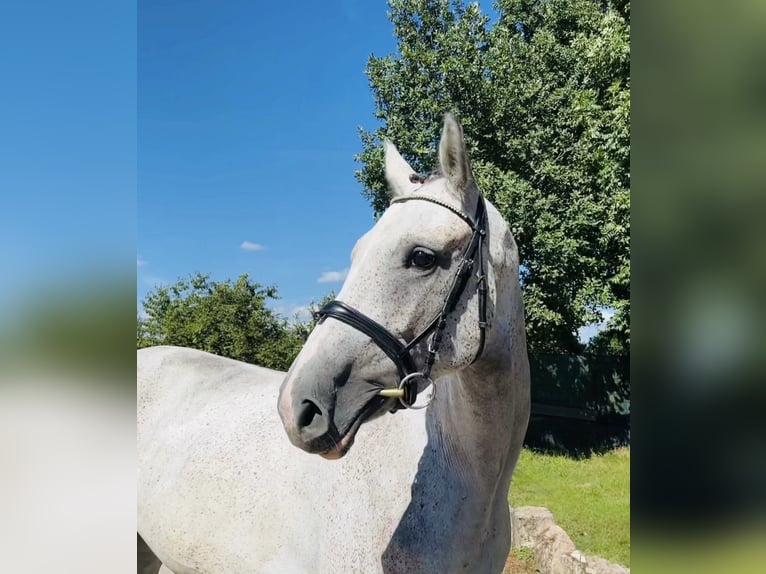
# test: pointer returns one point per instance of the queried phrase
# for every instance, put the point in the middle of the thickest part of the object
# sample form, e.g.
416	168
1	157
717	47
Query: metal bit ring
431	395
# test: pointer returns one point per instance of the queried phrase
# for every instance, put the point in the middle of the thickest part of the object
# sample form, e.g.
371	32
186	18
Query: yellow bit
396	393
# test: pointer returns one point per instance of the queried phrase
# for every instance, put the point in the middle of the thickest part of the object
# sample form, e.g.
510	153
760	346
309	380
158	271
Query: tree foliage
544	98
226	318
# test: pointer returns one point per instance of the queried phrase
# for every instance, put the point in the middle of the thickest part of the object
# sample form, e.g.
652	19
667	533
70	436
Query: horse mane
422	178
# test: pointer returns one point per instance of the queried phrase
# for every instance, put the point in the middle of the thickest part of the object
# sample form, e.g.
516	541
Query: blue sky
219	125
67	143
247	130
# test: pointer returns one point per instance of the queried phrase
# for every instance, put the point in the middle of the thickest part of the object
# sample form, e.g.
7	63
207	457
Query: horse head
417	283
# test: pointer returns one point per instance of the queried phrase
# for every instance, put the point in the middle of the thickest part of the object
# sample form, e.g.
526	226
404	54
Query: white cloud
250	246
294	313
332	276
141	262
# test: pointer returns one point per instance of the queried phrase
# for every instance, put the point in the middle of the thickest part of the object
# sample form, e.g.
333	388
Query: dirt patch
520	564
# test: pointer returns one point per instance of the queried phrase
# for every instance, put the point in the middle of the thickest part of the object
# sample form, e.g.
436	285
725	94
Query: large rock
534	527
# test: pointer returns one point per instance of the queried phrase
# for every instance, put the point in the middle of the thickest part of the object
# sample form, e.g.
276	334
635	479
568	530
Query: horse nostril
316	431
309	410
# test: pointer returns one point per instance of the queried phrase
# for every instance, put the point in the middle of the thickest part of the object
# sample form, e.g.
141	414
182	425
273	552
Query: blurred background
67	295
698	364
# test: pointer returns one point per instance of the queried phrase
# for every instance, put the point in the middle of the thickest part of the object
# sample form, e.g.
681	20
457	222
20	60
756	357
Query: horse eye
422	258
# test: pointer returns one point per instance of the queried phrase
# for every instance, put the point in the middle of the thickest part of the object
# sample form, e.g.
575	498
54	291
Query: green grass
589	497
725	547
520	561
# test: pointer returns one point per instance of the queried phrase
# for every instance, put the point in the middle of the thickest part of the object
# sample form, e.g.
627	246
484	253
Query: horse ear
398	172
453	157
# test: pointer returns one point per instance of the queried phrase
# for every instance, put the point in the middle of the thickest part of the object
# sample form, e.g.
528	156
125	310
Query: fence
579	402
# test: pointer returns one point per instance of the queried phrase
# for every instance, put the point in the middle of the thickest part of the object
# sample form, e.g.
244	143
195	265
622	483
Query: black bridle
399	353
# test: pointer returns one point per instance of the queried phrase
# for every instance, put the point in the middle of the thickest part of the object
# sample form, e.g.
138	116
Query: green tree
544	97
302	328
227	318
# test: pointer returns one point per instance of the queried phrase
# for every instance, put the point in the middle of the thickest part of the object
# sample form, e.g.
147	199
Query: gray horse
221	489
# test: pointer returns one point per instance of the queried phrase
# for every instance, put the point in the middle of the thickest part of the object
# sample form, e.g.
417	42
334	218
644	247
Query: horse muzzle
321	413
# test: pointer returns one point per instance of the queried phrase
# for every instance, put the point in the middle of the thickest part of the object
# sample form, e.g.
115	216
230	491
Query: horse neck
468	422
482	410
